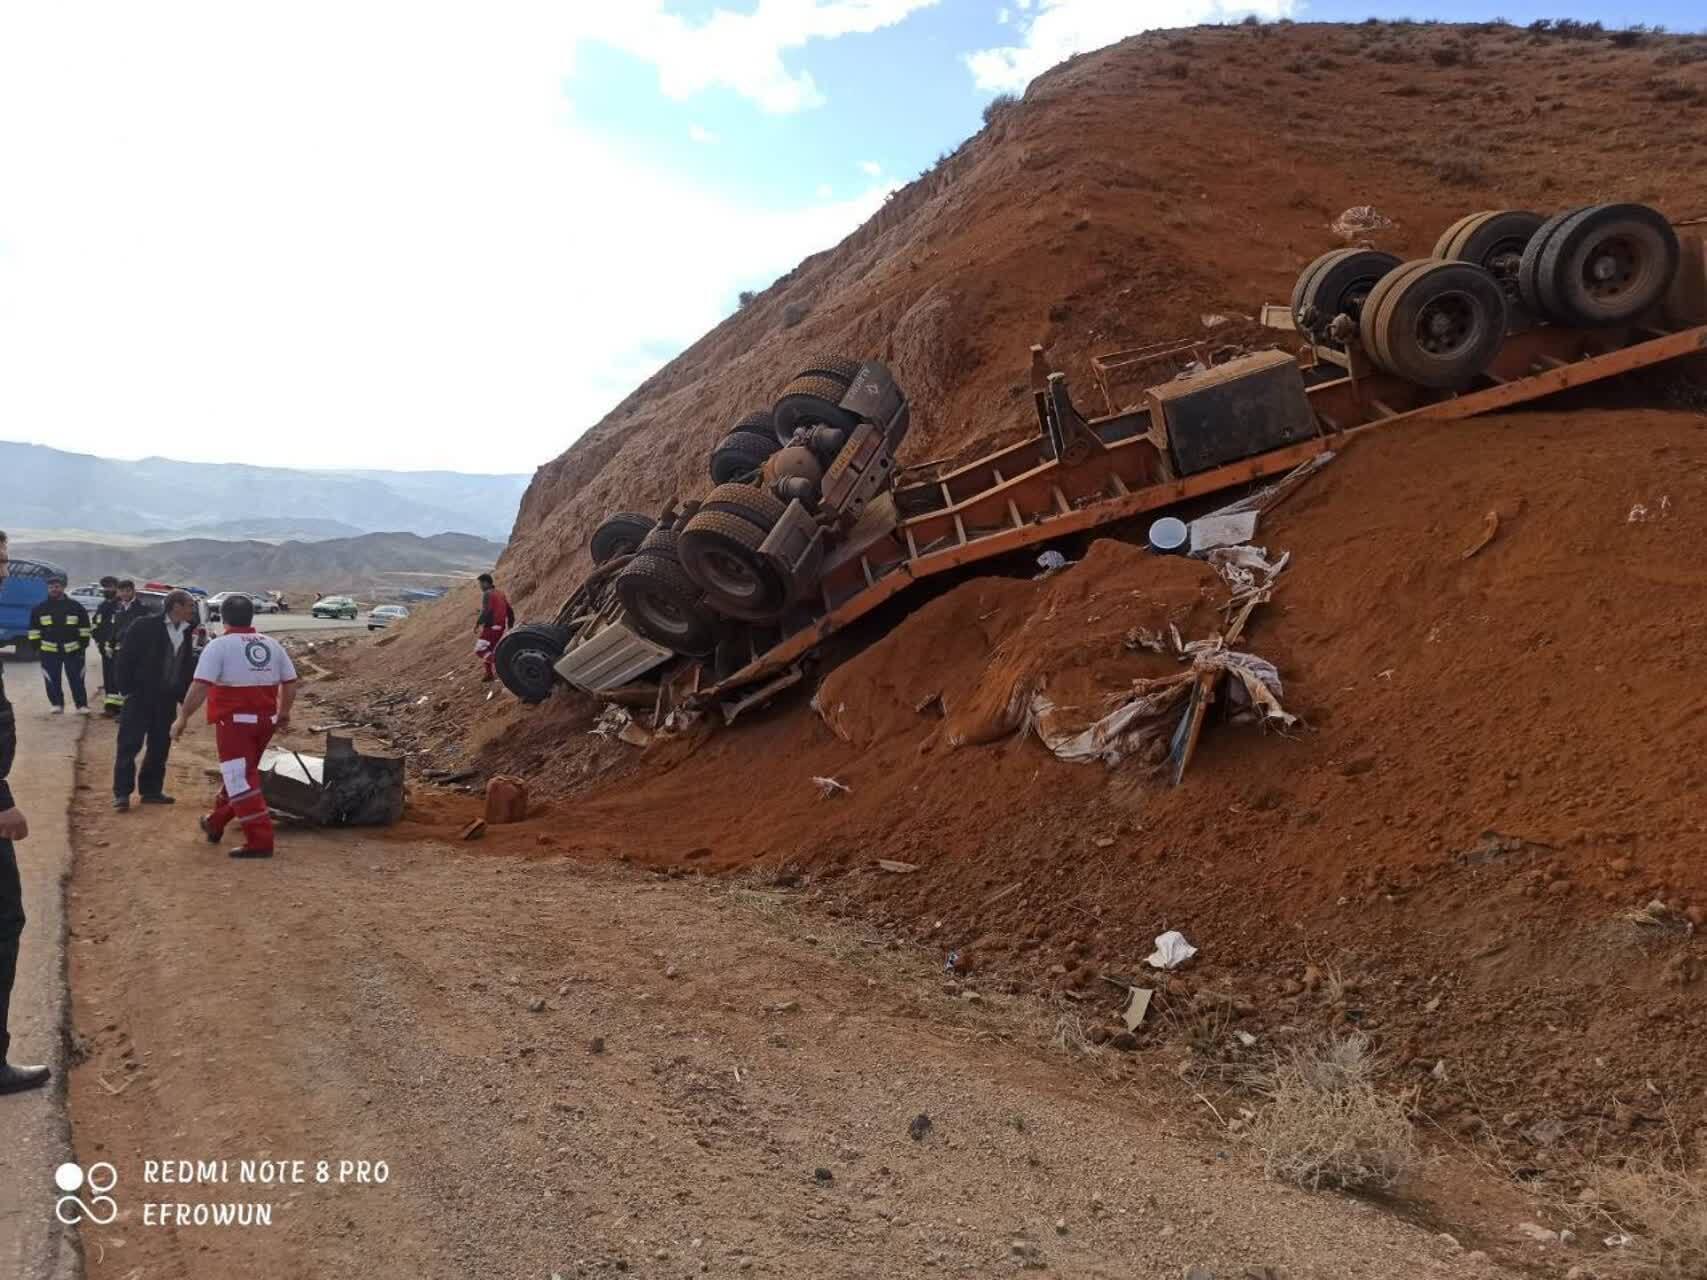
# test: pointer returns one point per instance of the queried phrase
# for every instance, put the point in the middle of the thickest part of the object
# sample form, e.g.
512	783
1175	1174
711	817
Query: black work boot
121	803
17	1079
162	798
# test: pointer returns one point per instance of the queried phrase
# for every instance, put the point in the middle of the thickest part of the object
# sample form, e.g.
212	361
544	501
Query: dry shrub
1664	1211
1328	1125
1459	170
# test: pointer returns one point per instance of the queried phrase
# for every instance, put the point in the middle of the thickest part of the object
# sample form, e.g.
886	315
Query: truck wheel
525	657
809	400
760	507
1608	264
758	423
1338	284
1440	326
619	535
720	552
842	368
1370	331
662	602
1495	241
1531	288
741	453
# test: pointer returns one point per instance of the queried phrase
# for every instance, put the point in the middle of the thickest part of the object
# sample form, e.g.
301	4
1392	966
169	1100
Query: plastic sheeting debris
1222	530
1142	724
1051	562
1172	950
828	787
1359	221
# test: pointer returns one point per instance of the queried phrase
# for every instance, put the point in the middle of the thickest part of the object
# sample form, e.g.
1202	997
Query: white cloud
739	51
699	133
870	168
1061	28
370	234
825	191
1001	17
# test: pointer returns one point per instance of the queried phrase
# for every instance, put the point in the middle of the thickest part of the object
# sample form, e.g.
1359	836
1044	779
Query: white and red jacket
243	670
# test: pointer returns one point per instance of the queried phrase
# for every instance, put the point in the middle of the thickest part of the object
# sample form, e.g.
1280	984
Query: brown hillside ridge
1497	769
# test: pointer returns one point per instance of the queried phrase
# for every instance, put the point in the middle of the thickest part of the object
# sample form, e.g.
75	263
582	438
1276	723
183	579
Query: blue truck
22	586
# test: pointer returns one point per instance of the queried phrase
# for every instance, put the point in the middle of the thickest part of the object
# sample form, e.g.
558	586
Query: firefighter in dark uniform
60	629
12	827
103	637
112	620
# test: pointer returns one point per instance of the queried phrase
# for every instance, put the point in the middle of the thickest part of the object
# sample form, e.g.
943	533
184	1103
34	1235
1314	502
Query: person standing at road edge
110	627
103	637
13	827
496	617
155	666
59	628
248	682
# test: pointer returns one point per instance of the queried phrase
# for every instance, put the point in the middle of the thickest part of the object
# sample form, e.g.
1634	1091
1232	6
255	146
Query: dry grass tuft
1662	1212
1327	1125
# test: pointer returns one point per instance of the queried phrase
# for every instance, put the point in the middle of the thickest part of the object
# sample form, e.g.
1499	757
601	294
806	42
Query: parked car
23	585
385	615
334	607
265	601
89	596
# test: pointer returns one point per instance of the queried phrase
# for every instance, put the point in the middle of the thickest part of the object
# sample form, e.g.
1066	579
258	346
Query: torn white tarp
1222	530
1149	712
1172	950
1239	567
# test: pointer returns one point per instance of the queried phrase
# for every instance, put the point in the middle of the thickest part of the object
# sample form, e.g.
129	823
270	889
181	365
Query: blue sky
397	233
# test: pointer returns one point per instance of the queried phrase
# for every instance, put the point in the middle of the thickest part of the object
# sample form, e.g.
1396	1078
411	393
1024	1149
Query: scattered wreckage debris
828	787
506	800
1490	527
344	787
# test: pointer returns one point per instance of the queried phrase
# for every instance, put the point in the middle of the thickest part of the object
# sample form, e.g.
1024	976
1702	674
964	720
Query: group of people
157	681
154	681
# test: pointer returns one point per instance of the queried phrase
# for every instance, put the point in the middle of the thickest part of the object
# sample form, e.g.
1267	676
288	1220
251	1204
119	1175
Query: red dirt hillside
1130	192
1497	770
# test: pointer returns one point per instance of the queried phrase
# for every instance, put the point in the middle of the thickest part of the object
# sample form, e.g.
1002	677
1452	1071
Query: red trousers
241	742
487	647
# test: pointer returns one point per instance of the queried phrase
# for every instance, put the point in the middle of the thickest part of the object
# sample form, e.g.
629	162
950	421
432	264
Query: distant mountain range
47	488
373	566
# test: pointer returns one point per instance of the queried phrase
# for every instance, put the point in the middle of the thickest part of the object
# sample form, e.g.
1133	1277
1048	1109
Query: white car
385	615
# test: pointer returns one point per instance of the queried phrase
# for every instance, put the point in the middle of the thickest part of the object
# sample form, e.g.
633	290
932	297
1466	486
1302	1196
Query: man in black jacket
59	627
12	827
156	664
127	611
107	636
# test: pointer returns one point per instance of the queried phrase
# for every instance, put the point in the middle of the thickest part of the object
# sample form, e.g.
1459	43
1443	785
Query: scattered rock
596	1045
669	971
1100	1034
536	1005
1126	1042
1060	1226
506	800
920	1127
823	1176
1537	1233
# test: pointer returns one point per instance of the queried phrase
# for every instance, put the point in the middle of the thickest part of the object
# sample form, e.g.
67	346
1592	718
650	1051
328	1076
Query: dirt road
34	1135
572	1071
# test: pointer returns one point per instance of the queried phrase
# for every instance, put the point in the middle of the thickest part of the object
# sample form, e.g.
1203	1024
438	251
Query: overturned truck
811	521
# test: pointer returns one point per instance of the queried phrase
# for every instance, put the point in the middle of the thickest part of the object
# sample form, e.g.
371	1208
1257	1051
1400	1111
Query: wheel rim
1612	269
1502	262
1448	325
730	576
665	614
531	668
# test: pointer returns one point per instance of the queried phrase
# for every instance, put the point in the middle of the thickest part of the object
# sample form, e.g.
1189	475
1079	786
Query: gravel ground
574	1071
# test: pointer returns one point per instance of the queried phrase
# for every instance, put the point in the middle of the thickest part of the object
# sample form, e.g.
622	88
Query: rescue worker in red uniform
496	617
248	682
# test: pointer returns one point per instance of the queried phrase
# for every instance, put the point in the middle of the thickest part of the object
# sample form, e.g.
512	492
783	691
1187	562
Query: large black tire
810	399
525	657
661	601
1607	264
1370	330
758	423
720	552
1530	287
1439	326
619	535
1339	283
759	507
1495	241
842	368
740	453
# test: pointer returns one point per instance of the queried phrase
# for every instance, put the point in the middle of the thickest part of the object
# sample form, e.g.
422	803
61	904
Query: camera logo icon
100	1208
